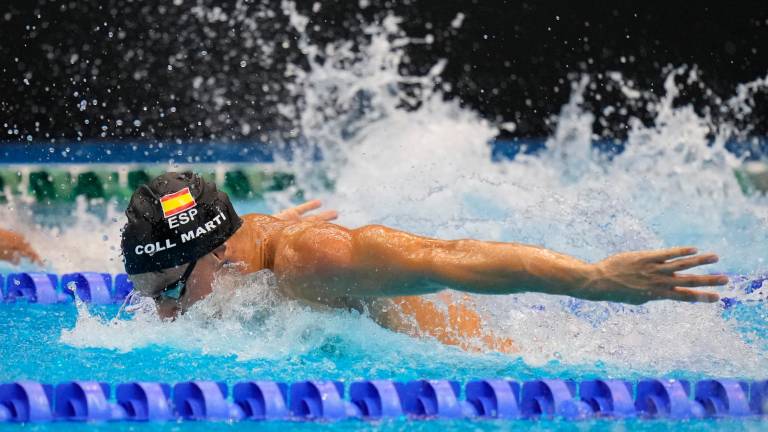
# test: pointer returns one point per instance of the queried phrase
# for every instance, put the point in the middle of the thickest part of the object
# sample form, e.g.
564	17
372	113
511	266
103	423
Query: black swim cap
173	220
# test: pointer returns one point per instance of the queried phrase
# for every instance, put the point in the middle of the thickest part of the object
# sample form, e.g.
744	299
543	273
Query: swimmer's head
174	240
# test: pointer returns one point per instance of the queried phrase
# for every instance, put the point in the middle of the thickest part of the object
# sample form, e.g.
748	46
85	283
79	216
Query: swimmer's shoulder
257	220
249	245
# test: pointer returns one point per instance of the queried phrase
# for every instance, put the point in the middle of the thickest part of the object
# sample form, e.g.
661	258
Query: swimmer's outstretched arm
13	247
323	261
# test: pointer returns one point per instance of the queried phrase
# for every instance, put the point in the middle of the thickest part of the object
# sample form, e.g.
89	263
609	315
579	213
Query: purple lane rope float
32	402
106	288
50	288
323	400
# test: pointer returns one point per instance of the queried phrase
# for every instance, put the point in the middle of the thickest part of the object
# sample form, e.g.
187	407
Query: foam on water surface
399	154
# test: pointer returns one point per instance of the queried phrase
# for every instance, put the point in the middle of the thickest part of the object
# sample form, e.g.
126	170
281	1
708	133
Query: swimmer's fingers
288	215
298	213
691	295
663	255
698	280
295	213
24	252
32	256
687	263
308	206
325	216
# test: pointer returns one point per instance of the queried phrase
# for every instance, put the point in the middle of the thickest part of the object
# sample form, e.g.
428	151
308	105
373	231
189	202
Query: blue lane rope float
27	401
32	402
49	288
106	288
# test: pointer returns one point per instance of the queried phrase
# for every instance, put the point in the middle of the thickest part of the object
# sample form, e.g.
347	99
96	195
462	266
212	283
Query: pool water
260	336
350	348
38	344
427	168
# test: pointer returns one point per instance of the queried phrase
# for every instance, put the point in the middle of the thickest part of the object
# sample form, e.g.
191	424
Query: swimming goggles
175	290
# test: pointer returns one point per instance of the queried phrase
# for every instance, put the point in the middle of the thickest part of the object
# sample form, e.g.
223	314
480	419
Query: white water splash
68	240
243	318
399	154
424	166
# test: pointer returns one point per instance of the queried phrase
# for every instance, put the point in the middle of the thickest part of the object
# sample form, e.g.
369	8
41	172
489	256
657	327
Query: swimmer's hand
13	248
296	214
639	277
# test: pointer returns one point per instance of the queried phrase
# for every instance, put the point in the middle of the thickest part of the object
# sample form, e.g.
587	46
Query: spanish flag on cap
177	202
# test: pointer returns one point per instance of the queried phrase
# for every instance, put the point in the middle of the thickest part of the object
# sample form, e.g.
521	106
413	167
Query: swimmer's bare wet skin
317	261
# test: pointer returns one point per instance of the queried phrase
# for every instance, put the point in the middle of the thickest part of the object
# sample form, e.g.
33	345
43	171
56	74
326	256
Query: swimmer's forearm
630	277
421	265
508	268
328	261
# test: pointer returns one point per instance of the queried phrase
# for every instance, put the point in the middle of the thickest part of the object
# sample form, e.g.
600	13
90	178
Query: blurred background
107	69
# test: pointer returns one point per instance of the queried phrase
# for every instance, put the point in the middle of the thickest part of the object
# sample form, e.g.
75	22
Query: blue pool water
33	349
430	170
288	342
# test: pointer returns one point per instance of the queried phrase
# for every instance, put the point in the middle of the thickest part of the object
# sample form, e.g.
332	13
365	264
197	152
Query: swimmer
14	248
181	230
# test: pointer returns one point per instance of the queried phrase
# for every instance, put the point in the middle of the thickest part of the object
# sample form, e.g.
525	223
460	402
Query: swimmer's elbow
400	263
